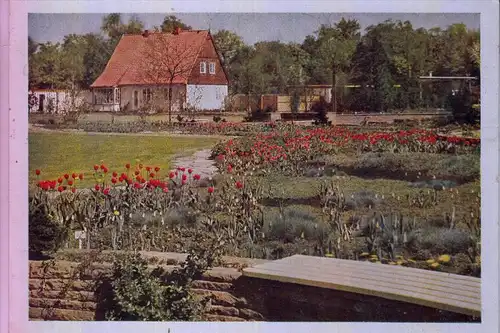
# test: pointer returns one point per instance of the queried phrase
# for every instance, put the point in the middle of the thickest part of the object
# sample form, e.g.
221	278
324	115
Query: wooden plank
447	277
387	279
377	291
338	274
438	278
350	280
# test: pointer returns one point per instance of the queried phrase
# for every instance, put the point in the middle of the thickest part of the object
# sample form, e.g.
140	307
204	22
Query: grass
463	197
59	153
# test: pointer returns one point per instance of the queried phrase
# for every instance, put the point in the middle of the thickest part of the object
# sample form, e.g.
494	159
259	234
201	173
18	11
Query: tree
113	26
372	68
228	44
46	66
331	51
97	54
165	60
171	22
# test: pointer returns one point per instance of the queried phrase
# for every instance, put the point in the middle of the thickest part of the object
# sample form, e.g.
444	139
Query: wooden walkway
449	292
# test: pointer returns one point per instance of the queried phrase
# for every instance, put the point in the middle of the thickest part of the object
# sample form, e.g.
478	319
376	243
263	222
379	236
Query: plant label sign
80	235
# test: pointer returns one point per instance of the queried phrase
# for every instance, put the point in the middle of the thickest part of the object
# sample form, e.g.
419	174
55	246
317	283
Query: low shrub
444	240
259	115
292	224
133	292
46	236
362	199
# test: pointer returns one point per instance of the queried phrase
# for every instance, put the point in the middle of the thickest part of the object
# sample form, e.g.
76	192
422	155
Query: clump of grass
443	240
362	199
291	224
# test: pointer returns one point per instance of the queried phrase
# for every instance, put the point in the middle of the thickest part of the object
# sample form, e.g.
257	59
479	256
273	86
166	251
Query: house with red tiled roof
158	71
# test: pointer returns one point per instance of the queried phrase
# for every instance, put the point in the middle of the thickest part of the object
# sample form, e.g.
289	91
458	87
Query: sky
252	27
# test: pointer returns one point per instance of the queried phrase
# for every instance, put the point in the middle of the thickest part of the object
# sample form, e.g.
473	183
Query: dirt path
199	162
39	129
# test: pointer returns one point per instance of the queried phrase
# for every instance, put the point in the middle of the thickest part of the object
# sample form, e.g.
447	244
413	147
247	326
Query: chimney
177	30
145	34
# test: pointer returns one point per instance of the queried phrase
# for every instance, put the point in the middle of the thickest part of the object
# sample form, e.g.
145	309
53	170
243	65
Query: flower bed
287	148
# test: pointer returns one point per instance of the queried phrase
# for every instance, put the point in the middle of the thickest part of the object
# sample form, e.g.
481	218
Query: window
117	95
104	96
211	68
147	95
203	67
136	98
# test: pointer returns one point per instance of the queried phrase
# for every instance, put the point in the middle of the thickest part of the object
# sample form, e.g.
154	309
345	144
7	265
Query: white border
18	157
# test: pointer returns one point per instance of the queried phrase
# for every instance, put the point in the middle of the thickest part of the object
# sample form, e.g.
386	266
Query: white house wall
60	100
206	97
127	97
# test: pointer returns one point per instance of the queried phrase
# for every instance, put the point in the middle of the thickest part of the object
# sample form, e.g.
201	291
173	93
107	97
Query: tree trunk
334	90
170	103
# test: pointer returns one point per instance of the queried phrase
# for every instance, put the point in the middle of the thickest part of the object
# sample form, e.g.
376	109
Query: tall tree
336	45
171	22
114	28
97	54
166	60
228	44
372	69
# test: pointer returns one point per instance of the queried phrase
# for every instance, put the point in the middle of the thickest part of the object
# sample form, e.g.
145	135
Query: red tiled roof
139	60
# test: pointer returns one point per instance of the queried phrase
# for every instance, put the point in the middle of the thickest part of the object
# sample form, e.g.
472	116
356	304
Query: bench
438	290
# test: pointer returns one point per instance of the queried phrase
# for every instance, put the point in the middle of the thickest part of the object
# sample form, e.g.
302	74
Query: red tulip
157	169
190	171
73	190
97	187
106	191
171	175
184	177
211	190
37	172
96	167
127	165
196	177
115	174
60	180
151	175
74	175
239	184
66	176
113	180
70	182
80	176
60	188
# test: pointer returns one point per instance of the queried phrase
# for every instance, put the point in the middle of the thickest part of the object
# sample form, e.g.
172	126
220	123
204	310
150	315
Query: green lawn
58	153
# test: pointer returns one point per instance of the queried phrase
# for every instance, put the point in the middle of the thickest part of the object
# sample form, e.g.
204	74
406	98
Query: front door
41	103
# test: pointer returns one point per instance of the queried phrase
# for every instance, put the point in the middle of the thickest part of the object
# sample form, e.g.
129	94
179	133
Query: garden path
199	162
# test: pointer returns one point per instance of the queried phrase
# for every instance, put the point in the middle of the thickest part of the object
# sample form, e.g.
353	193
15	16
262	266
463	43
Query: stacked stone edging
56	293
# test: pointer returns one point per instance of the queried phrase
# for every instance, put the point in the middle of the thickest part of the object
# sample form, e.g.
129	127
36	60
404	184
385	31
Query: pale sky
252	27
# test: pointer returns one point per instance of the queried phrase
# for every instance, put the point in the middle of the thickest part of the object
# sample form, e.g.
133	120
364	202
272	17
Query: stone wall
56	293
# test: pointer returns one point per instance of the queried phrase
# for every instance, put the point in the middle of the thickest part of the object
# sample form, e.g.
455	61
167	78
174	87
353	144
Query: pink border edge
13	168
4	173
